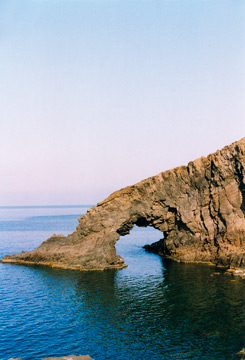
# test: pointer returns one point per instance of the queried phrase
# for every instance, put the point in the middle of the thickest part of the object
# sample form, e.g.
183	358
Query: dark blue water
153	309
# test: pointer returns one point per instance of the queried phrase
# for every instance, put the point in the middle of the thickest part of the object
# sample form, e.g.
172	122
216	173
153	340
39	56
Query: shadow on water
208	305
186	311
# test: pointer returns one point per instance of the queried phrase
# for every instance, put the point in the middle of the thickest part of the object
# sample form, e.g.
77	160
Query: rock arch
199	208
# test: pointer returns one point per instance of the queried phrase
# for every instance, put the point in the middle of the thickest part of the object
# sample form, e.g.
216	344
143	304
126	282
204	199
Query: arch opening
135	248
140	232
140	221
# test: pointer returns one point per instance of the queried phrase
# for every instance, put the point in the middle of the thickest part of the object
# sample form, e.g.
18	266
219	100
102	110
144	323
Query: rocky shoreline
155	248
87	357
199	208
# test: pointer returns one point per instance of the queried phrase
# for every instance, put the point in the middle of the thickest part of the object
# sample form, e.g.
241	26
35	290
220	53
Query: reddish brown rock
199	208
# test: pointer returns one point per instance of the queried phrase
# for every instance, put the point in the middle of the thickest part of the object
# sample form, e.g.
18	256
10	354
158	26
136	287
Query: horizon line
43	206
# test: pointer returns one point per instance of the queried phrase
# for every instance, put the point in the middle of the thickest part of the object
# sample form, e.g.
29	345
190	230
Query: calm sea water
153	309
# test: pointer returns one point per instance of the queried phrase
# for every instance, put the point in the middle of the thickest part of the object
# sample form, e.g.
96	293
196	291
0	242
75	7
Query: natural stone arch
199	208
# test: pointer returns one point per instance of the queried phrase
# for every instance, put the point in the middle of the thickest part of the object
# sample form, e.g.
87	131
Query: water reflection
154	309
185	312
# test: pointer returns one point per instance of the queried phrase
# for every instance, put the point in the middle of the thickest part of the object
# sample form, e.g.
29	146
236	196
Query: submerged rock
236	272
199	208
242	352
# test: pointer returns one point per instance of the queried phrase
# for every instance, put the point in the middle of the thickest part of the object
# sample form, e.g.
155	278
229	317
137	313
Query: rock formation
199	208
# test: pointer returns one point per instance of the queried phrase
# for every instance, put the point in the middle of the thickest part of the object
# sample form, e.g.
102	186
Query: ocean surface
153	309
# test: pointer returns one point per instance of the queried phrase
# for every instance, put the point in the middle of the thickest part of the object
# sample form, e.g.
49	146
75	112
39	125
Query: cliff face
199	208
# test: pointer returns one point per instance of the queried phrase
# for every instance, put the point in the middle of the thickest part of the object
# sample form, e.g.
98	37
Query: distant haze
96	95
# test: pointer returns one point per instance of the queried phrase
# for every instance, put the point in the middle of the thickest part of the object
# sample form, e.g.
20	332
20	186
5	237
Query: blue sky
96	95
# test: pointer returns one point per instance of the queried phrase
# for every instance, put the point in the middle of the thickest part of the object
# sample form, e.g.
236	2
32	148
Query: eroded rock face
199	208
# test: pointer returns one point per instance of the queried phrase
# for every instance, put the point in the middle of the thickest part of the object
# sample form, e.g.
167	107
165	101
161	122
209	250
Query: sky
96	95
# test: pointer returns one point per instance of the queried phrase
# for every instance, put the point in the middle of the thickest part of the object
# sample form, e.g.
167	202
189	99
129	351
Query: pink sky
97	95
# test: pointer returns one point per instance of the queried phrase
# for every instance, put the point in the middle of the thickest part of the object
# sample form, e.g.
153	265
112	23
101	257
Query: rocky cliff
199	208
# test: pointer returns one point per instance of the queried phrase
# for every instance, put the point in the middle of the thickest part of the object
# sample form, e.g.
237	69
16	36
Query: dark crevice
142	222
182	226
179	222
215	221
202	220
241	185
221	232
213	171
172	210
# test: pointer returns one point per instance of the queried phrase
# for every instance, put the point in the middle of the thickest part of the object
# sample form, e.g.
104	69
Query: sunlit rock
199	208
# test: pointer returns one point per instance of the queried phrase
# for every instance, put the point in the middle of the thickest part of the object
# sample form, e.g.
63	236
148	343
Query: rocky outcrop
242	352
199	208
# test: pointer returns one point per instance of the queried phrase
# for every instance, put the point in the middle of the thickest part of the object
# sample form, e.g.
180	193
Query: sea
153	309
